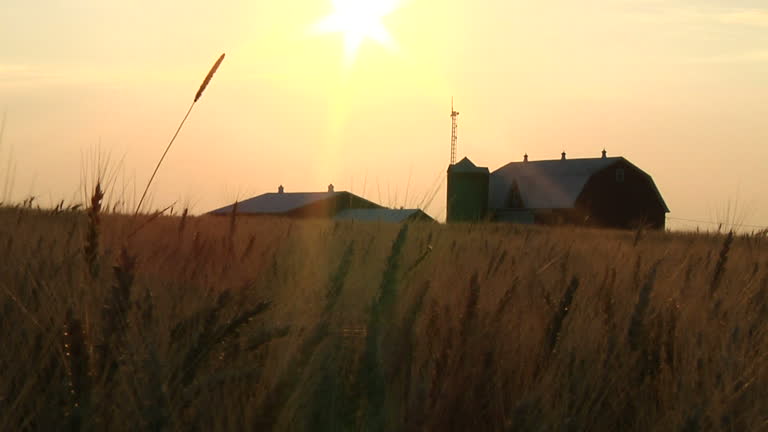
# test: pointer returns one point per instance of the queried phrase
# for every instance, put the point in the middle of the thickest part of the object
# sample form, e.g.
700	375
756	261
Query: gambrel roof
550	184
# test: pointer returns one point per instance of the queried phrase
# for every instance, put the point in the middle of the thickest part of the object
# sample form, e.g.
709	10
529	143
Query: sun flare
358	20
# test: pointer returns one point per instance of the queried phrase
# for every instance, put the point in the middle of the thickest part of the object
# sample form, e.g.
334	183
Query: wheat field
204	323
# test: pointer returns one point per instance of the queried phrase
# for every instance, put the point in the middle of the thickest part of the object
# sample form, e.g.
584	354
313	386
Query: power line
716	223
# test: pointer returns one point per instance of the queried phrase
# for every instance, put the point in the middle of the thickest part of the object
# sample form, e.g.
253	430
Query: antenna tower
454	137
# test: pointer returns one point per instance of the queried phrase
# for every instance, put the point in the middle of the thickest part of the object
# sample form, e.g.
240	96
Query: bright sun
358	20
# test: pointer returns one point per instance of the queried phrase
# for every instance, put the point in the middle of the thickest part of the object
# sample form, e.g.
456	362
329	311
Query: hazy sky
678	87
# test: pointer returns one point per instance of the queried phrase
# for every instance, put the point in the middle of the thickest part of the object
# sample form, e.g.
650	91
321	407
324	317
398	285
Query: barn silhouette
336	205
606	192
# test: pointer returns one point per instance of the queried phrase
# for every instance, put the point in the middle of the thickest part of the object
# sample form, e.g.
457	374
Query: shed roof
276	203
549	184
381	215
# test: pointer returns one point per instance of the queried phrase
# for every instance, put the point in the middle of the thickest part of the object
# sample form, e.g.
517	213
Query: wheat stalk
149	220
636	332
722	261
233	226
556	325
77	368
2	128
199	93
183	222
91	248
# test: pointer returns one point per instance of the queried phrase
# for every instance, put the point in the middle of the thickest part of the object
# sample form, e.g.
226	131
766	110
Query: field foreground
253	324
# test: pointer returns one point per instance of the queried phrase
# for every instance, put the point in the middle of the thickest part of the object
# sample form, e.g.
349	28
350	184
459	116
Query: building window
620	175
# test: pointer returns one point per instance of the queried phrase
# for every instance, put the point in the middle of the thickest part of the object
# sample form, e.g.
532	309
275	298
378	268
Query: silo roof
466	166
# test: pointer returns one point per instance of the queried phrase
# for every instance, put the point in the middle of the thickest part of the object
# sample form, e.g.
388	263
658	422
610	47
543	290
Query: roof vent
280	189
330	187
525	157
605	153
562	156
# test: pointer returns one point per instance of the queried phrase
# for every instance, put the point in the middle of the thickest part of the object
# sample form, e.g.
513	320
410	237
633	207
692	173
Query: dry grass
255	324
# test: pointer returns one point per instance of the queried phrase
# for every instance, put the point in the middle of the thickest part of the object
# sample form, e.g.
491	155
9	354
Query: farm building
326	205
385	215
605	191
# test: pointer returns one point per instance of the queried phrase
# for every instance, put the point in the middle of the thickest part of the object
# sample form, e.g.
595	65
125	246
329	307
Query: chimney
330	187
562	156
604	153
280	189
525	157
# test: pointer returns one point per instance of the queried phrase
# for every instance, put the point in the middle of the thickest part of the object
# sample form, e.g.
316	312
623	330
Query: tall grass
286	325
10	169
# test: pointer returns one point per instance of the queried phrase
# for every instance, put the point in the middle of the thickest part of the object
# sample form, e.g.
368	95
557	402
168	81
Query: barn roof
382	215
549	184
276	203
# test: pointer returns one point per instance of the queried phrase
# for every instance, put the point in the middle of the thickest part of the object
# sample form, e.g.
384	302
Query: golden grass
313	325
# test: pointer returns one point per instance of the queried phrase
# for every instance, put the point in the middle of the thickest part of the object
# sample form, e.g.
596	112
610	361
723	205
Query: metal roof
276	203
380	215
549	184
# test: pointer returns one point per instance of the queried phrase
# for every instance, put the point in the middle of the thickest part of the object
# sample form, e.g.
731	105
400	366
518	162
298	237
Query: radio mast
454	137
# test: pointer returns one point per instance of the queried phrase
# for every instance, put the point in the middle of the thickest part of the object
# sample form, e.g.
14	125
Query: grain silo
467	192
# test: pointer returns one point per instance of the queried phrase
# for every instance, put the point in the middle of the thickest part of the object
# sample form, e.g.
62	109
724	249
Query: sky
678	87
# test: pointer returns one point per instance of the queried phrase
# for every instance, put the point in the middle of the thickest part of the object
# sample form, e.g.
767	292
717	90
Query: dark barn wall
467	196
560	217
625	201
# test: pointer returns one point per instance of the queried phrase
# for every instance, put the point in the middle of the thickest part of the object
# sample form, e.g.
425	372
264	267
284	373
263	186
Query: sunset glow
358	20
358	93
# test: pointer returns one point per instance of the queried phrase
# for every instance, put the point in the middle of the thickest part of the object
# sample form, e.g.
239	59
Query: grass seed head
208	77
91	248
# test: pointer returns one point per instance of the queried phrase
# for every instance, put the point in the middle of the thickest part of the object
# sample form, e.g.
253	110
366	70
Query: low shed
299	204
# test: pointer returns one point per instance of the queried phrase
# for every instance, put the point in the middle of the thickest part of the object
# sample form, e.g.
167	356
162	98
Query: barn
605	191
324	205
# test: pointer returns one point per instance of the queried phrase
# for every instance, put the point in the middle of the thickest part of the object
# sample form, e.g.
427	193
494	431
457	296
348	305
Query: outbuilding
341	205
